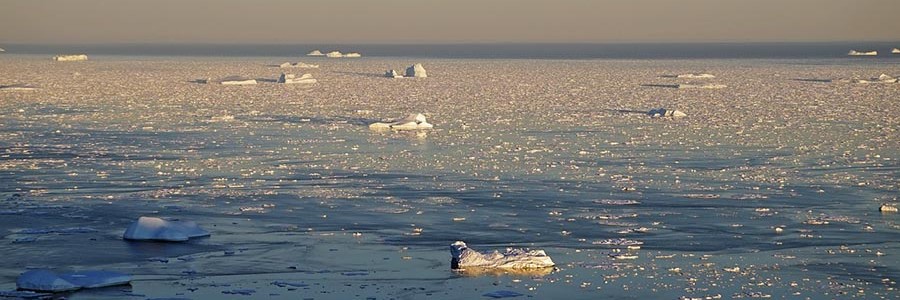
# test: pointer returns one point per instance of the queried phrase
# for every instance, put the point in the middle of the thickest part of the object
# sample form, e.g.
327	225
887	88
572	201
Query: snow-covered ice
71	57
411	122
463	257
157	229
291	78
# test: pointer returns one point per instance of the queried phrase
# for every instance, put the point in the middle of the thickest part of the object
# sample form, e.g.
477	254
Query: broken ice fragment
462	257
156	229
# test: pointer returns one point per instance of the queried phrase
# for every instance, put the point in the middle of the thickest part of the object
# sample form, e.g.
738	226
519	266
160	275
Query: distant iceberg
666	113
411	122
71	57
895	51
862	53
334	54
695	75
352	55
232	80
416	70
2	50
291	78
392	74
156	229
298	65
462	257
315	53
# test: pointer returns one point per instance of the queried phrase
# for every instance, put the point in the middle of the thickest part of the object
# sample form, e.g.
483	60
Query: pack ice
156	229
463	257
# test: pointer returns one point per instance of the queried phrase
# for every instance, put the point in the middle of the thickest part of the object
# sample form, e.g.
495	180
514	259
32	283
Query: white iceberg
71	57
666	113
156	229
463	257
298	65
695	75
895	51
2	50
315	53
702	86
416	70
862	53
334	54
47	281
291	78
44	281
392	74
352	55
411	122
232	80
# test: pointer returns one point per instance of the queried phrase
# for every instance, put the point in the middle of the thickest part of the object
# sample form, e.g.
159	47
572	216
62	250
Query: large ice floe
231	80
411	122
462	258
862	53
156	229
291	78
71	57
48	281
695	75
334	54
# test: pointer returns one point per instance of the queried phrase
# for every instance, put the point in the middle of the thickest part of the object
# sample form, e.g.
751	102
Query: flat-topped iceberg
416	70
297	65
71	57
352	55
695	75
156	229
862	53
334	54
462	257
665	113
702	86
48	281
315	53
291	78
232	80
411	122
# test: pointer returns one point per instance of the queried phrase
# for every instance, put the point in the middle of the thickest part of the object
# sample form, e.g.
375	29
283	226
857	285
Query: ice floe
291	78
462	257
411	122
297	65
17	87
392	74
48	281
315	53
416	70
666	113
156	229
895	51
883	78
701	86
334	54
887	208
862	53
71	57
231	80
695	75
352	55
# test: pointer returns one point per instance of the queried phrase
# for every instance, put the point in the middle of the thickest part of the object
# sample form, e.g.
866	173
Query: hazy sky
446	21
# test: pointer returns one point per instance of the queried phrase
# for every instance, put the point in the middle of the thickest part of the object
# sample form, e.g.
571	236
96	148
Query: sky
446	21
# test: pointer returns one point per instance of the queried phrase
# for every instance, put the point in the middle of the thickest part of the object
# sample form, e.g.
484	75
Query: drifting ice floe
463	257
702	86
47	281
334	54
887	208
72	57
392	74
895	51
297	65
862	53
17	87
416	70
411	122
156	229
665	113
315	53
695	75
352	55
232	80
291	78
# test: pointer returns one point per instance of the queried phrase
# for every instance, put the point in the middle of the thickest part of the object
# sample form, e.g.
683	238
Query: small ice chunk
462	257
416	70
44	281
156	229
392	74
887	208
666	113
96	279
